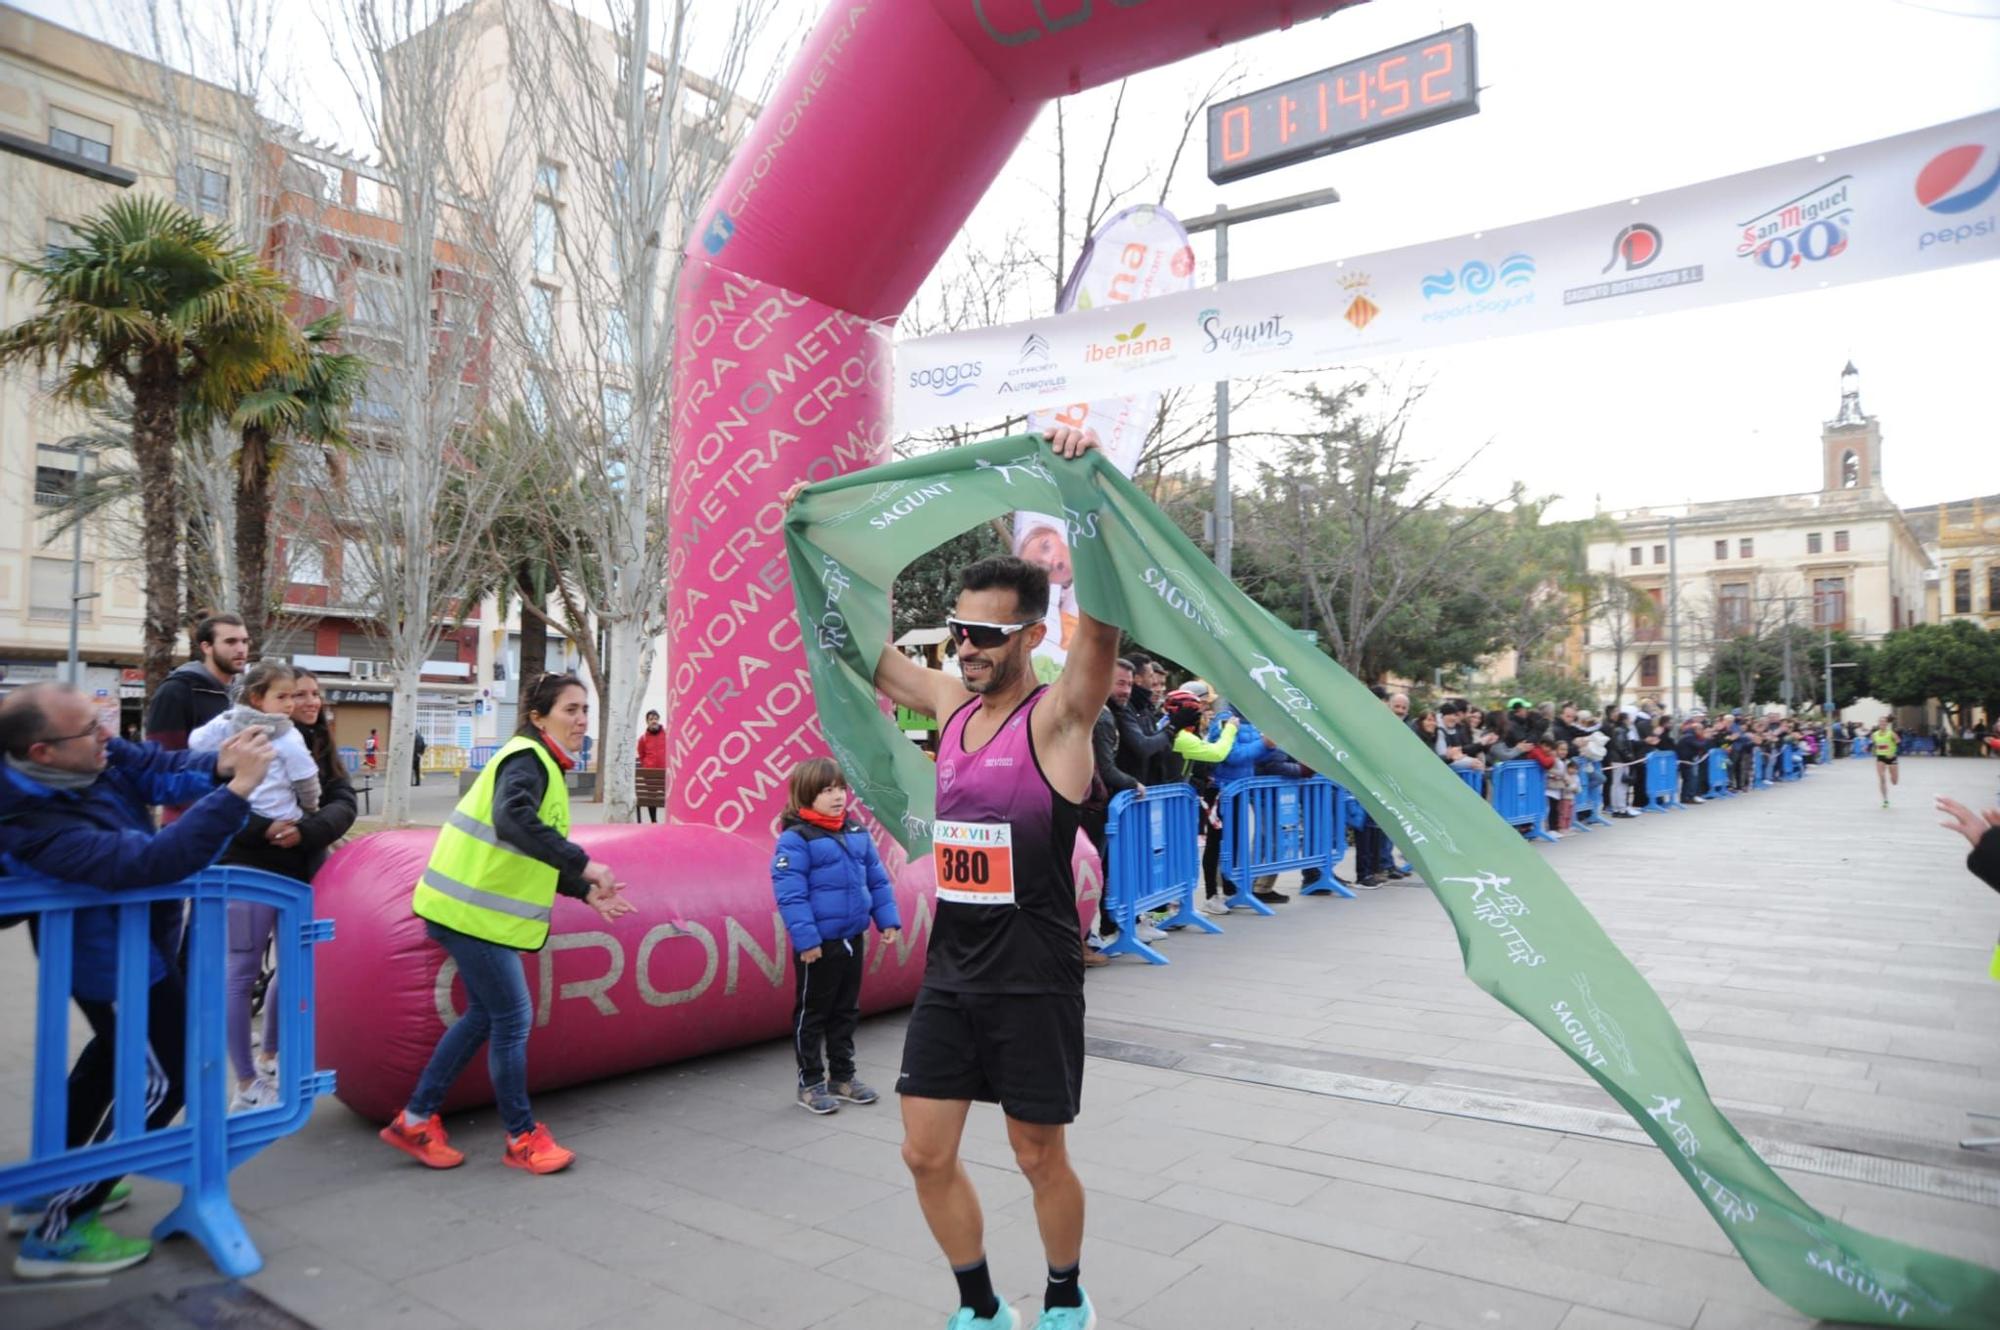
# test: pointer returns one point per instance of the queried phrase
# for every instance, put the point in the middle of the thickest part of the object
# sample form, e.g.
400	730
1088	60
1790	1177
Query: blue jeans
497	1014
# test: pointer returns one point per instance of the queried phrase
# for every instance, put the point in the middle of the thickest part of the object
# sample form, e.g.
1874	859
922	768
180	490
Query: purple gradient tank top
1031	943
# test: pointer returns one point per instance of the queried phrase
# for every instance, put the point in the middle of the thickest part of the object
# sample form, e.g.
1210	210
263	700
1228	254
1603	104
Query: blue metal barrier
1791	764
479	755
1154	862
1760	778
1521	797
1271	824
1589	811
1663	780
1718	774
351	757
1475	779
198	1151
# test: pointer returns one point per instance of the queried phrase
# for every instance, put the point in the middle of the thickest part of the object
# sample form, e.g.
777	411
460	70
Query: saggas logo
948	380
1265	334
1130	347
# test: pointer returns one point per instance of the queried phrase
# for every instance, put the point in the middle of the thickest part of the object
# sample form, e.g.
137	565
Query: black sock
975	1289
1064	1290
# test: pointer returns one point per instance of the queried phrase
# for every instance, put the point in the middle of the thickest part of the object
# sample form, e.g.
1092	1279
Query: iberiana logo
948	380
1129	346
1470	288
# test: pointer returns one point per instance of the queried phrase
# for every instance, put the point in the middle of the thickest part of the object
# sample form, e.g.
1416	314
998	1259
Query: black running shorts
1022	1051
1885	761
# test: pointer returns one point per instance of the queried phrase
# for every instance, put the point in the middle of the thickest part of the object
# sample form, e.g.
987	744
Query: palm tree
155	300
304	403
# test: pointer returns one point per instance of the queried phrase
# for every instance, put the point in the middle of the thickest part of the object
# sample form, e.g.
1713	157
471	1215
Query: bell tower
1851	443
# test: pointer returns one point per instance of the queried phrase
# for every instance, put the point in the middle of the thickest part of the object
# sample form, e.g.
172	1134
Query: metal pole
1829	693
1673	618
76	596
1225	531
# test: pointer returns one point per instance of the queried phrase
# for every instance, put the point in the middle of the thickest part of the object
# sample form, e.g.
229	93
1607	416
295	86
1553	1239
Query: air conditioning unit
364	669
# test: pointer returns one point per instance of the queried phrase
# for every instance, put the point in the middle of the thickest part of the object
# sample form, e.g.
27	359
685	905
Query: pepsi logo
1959	179
1635	247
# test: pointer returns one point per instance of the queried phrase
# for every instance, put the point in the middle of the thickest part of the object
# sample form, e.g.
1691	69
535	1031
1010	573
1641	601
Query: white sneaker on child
260	1093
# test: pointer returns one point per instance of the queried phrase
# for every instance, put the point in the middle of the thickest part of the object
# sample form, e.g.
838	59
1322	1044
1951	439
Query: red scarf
557	751
821	820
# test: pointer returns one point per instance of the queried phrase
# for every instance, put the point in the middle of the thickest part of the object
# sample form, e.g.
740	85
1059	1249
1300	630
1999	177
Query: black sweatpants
826	1006
92	1083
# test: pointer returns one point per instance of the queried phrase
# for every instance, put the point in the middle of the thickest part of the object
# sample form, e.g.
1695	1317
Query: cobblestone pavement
1311	1121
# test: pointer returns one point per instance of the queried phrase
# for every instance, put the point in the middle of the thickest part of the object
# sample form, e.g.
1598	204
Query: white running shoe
1148	933
1212	905
260	1093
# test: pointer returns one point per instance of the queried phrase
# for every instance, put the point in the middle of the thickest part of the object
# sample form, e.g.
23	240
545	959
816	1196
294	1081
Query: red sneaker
537	1152
424	1142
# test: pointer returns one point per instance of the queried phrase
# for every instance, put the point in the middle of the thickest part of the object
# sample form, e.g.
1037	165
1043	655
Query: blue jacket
104	837
1243	758
829	884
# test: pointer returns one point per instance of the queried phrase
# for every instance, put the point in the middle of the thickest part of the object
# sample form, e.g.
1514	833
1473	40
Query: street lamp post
73	667
1219	222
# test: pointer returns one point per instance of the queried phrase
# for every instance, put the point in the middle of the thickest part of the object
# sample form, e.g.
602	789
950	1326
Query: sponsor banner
1912	203
1140	254
1526	938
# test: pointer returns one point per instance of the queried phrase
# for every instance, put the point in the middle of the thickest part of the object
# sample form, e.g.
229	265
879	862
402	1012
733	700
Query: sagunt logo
1185	598
1609	1037
908	504
1268	333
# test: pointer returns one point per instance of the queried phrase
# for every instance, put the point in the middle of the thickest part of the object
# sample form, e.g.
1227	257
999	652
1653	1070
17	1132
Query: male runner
1000	1015
1885	744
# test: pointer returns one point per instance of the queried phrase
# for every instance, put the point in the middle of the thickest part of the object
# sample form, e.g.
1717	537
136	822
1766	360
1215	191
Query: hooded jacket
1243	755
185	701
103	837
829	884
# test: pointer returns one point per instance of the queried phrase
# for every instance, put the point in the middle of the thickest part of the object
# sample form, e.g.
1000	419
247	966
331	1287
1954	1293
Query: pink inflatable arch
888	128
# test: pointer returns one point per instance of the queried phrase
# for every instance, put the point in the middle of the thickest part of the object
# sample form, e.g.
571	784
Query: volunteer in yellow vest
485	897
1885	744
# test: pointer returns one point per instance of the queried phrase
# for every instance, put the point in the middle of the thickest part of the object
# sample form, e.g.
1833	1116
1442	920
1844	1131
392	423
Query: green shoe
87	1248
27	1215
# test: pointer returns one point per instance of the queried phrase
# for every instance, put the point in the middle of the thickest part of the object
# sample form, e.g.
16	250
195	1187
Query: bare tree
612	145
1364	534
1627	617
414	499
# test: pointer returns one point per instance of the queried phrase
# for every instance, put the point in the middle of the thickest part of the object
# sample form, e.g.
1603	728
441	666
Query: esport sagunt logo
1470	288
948	380
1957	181
1808	228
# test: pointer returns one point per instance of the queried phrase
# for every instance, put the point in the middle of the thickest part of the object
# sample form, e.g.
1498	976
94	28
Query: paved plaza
1313	1121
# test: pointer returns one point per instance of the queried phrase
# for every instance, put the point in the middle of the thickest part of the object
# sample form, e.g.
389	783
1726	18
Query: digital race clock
1412	86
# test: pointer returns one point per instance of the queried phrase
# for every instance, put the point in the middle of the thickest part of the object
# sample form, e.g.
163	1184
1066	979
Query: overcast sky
1584	102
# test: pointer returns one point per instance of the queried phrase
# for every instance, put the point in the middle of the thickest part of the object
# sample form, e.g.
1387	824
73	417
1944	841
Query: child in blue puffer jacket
829	883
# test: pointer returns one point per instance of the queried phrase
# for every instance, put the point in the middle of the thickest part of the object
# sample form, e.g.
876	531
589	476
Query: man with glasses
1000	1015
75	806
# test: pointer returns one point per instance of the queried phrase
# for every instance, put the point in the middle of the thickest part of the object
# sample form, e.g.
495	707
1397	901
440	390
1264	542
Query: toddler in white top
290	789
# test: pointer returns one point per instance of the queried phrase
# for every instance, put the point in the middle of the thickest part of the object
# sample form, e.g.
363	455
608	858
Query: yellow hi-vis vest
480	886
1885	742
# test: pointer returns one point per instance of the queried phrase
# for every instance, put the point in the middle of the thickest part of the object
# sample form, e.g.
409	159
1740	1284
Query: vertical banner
1140	253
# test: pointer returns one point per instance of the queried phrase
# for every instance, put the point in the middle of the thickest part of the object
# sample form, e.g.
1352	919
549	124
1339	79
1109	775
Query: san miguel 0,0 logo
1806	229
